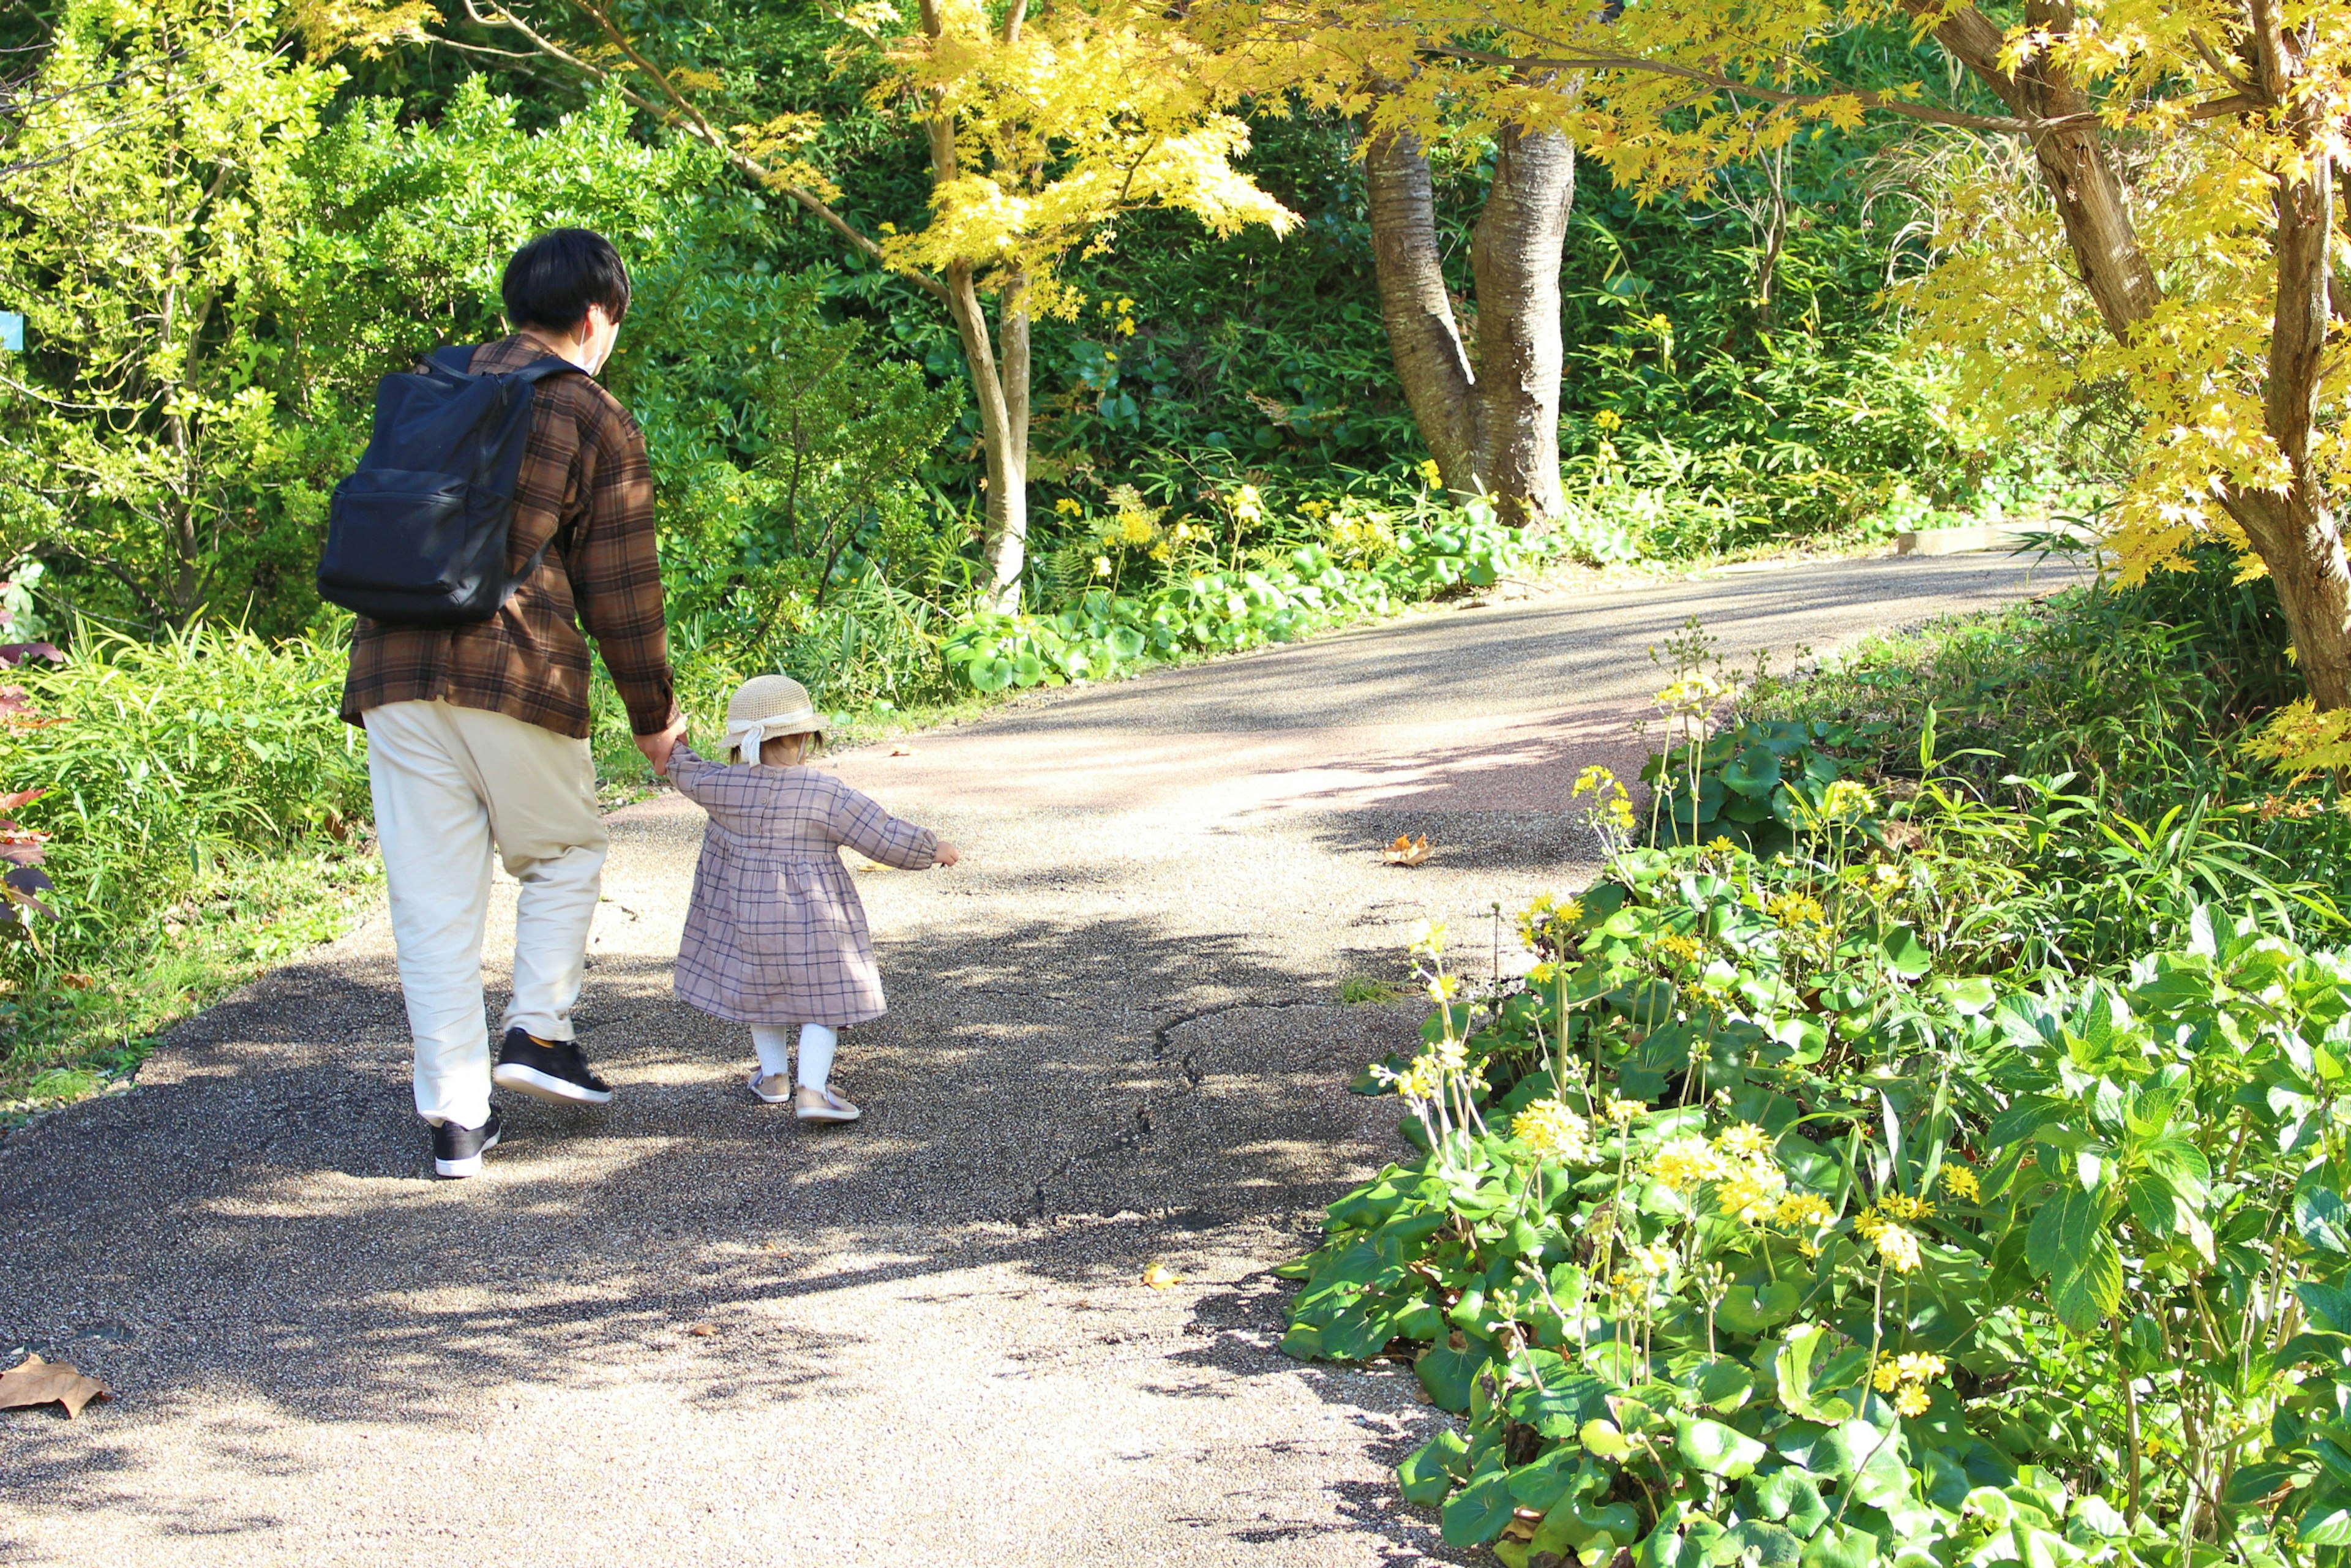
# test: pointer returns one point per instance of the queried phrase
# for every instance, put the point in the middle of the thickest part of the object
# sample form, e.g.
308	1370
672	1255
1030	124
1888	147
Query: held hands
946	854
657	748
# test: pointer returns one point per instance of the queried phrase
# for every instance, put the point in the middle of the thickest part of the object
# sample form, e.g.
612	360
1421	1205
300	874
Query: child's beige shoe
772	1088
823	1105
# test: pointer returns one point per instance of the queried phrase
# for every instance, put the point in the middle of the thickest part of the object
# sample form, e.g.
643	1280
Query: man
477	735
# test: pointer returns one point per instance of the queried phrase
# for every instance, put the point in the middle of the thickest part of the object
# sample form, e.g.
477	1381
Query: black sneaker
545	1071
457	1151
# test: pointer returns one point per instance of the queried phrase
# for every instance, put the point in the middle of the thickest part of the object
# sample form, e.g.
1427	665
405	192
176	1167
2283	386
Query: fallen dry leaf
38	1382
1160	1277
902	751
1408	850
703	1331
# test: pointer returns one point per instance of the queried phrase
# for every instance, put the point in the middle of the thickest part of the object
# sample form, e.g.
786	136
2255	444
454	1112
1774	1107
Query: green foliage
1746	1218
154	214
203	812
1195	606
1955	1180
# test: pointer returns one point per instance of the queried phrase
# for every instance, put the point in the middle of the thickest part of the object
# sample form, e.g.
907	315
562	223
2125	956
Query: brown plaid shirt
585	484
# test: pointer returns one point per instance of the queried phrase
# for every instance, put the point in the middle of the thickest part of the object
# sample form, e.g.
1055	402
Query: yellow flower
1902	1208
1921	1366
1793	909
1549	1127
1442	988
1135	527
1685	1164
1594	778
1721	845
1884	1376
1687	949
1752	1191
1067	508
1101	565
1429	472
1847	801
1620	814
1247	505
1429	937
1805	1210
1746	1141
1911	1402
1420	1080
1898	1247
1609	419
1961	1183
1622	1112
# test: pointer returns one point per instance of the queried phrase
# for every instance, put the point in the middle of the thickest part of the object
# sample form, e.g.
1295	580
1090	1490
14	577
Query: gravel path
683	1331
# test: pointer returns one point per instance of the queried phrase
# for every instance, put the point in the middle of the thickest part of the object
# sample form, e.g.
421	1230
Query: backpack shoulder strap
458	360
539	370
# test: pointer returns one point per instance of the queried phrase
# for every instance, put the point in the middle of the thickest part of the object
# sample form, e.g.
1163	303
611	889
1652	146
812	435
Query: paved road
683	1331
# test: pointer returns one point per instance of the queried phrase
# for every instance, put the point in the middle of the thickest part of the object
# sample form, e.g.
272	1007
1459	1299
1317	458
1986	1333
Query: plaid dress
776	933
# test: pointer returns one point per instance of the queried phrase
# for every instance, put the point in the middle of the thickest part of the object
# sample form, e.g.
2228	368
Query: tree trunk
2301	546
1003	428
1422	338
1492	424
999	381
2297	533
1520	239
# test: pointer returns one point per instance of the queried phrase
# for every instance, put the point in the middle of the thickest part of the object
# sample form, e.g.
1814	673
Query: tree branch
1868	98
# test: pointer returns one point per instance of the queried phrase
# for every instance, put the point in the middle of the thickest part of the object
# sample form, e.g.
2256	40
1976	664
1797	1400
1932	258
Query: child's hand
946	854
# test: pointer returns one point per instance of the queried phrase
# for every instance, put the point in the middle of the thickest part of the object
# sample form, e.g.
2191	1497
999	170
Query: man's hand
657	748
946	854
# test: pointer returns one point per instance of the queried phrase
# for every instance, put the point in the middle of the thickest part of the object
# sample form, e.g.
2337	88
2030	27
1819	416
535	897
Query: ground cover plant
1896	1158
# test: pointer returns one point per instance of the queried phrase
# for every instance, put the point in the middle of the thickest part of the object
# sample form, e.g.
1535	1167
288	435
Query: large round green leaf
1754	772
1717	1450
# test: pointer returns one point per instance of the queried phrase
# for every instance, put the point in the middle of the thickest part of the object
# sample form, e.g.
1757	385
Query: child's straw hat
767	706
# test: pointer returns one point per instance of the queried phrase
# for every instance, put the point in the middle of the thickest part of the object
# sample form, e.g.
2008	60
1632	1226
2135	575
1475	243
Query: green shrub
1753	1223
205	815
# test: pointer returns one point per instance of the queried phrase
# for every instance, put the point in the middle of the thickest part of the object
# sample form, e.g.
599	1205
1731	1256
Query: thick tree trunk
1520	239
1422	337
1490	422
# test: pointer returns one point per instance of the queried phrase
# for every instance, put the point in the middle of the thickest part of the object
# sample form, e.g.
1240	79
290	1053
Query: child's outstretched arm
877	835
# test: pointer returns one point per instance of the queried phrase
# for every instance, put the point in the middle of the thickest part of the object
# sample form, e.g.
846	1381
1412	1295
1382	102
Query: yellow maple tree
2144	210
1044	124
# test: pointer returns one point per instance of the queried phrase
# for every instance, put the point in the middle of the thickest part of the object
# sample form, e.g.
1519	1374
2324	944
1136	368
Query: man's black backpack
417	535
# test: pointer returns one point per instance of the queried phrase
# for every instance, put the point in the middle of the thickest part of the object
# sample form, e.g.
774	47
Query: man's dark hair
551	281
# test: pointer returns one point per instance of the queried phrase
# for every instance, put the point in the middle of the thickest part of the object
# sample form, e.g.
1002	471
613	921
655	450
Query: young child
776	935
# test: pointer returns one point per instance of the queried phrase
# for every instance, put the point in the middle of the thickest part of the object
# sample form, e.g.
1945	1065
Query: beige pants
449	784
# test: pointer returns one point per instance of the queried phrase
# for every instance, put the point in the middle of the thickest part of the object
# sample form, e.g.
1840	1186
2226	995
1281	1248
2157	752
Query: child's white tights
773	1042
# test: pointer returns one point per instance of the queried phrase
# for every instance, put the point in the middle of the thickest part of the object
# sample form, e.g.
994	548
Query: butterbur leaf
1841	1546
1768	1545
1408	850
1447	1375
1476	1513
36	1382
1426	1473
1717	1450
1902	953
